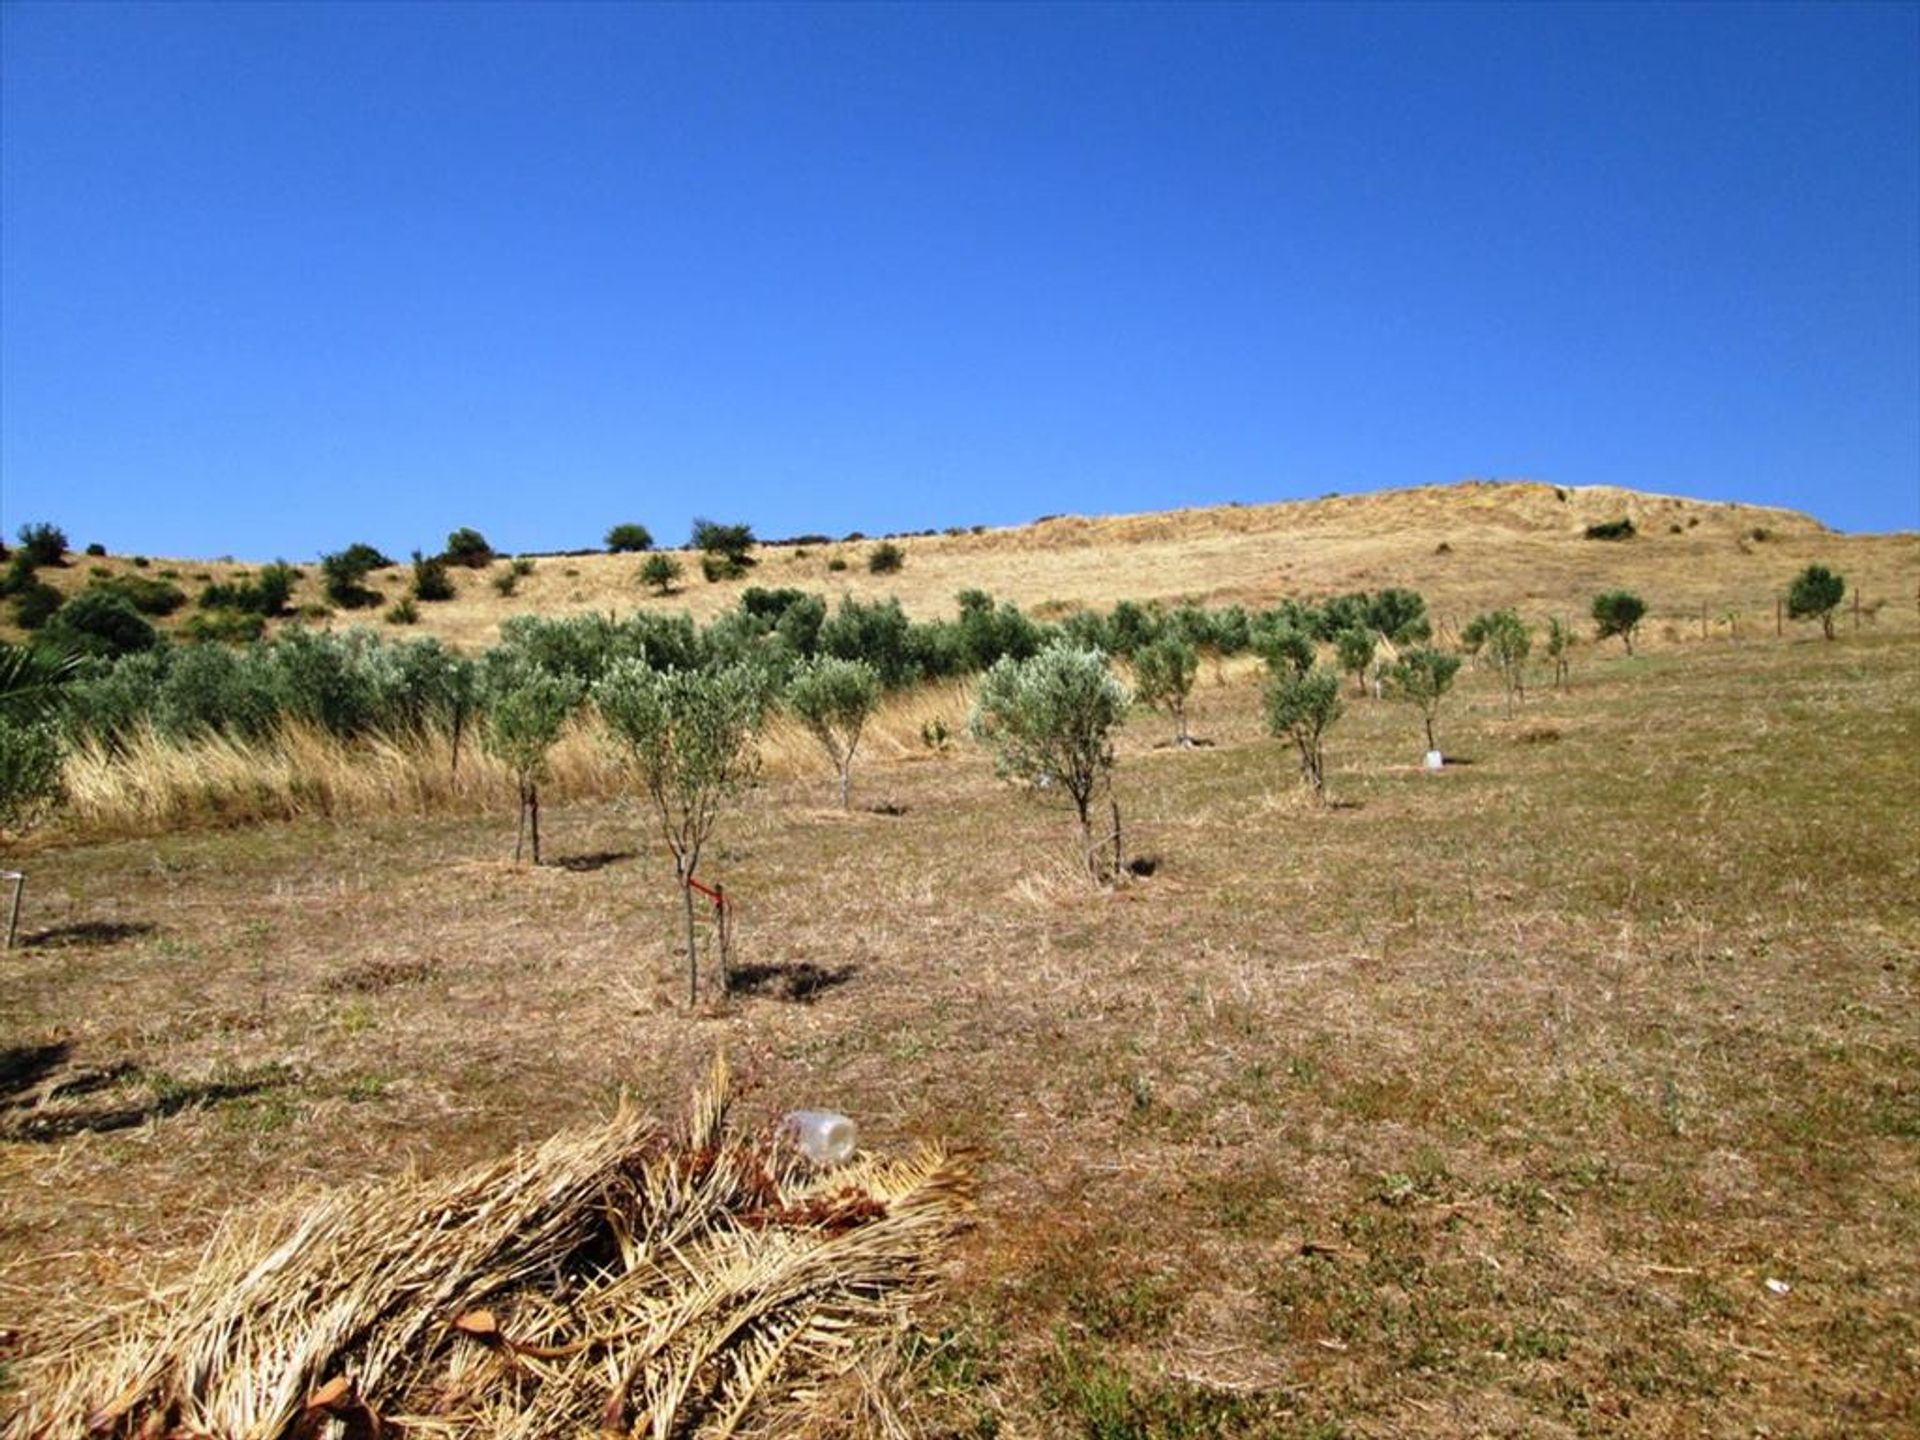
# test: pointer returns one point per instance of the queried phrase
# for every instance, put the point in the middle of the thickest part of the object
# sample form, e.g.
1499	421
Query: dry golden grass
1570	1091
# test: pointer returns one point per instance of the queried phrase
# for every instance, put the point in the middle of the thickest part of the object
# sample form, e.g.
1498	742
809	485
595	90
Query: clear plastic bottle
824	1137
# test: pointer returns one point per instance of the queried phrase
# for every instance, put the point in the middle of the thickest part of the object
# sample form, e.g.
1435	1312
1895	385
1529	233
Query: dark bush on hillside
345	571
983	633
886	558
149	597
878	633
96	549
43	544
723	549
431	582
629	539
1400	615
224	626
1131	627
34	602
266	594
467	547
1621	529
97	623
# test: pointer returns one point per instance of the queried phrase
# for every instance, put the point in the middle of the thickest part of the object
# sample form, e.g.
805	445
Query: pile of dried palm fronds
610	1280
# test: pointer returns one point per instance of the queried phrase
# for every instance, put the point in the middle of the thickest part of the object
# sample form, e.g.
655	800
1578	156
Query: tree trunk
1086	835
693	954
1432	744
845	783
533	811
520	834
1180	718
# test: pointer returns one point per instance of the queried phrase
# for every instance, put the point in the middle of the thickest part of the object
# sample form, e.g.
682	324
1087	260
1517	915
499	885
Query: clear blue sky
278	277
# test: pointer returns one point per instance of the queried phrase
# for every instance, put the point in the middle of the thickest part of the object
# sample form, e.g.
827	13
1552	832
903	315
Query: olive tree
1618	612
1163	673
834	699
1502	638
1422	678
1814	595
32	689
687	735
1049	721
1302	699
526	711
1559	646
1354	649
662	572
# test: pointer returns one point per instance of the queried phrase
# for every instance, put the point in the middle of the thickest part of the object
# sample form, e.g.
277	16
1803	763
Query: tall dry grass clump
146	784
610	1281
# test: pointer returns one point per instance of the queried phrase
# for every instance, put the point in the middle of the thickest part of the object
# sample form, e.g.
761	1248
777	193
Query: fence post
19	880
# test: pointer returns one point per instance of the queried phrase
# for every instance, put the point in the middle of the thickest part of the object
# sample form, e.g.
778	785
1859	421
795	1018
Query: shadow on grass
22	1067
799	980
87	932
50	1117
597	860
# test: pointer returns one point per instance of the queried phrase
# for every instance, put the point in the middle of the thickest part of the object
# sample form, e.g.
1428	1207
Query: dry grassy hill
1467	547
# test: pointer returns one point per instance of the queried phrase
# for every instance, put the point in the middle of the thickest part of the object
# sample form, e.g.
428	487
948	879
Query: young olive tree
525	713
1618	612
1049	721
1501	636
687	734
834	699
1422	678
1163	673
662	572
32	690
1559	646
1814	595
1301	703
1354	649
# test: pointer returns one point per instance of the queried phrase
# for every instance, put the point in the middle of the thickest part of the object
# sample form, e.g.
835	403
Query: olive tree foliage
662	572
1815	594
687	737
834	699
1502	639
1354	648
1618	612
32	691
1422	678
526	710
1163	674
1049	721
1302	701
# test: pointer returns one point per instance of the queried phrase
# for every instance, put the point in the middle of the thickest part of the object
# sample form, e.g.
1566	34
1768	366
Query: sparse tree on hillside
1618	612
346	570
662	572
629	538
834	699
723	549
1163	673
526	711
1816	593
1422	678
687	735
1354	649
1049	721
467	546
43	544
1301	703
1501	636
1559	645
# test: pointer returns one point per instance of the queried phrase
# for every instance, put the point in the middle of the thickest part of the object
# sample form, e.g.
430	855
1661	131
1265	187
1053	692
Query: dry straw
612	1280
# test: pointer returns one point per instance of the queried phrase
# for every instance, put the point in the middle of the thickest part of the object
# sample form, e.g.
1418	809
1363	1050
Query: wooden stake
13	905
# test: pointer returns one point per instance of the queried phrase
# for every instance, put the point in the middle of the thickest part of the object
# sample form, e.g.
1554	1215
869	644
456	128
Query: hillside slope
1467	546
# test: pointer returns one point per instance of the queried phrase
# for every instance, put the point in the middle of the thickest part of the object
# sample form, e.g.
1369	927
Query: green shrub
97	623
468	547
1816	593
148	596
403	612
629	538
43	543
1503	638
344	572
723	549
1618	612
30	757
224	626
1422	678
662	572
96	549
886	558
431	582
1163	674
526	710
506	582
836	563
1621	529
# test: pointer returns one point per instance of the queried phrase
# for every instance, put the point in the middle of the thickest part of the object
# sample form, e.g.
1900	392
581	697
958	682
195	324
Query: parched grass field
1574	1090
